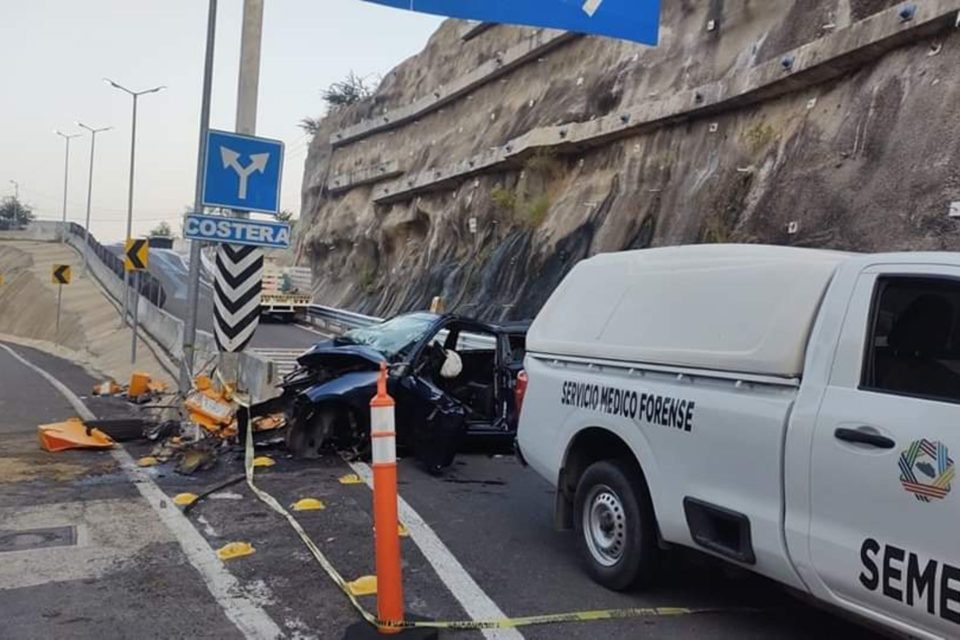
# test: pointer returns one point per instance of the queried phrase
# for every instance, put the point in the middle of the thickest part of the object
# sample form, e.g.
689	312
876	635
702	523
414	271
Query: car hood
341	356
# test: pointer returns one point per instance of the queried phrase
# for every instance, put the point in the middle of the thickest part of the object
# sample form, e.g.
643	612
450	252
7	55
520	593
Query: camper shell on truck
792	411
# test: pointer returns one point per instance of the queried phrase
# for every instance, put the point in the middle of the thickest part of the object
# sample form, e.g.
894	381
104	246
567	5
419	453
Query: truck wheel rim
605	525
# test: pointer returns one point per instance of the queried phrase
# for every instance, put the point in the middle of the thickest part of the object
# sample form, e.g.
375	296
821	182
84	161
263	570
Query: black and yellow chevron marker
136	254
61	274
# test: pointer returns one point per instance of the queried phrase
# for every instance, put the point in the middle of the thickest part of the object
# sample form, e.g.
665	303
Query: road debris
147	461
184	499
233	550
72	434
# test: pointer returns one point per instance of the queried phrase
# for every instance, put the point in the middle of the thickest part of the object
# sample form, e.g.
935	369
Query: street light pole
193	282
86	226
16	190
133	150
66	174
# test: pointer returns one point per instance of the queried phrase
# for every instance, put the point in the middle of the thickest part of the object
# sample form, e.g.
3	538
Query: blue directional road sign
637	20
242	172
258	233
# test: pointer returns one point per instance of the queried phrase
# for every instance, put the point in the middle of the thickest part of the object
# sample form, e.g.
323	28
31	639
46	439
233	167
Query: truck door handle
864	437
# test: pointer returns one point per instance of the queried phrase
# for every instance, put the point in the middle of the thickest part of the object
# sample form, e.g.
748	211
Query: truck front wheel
615	526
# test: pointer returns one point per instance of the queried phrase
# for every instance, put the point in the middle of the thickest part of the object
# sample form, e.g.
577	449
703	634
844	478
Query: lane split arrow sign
136	254
231	160
61	274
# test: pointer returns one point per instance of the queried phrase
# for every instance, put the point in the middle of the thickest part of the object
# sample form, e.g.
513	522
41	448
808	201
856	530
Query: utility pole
86	226
193	282
247	95
16	200
66	174
133	149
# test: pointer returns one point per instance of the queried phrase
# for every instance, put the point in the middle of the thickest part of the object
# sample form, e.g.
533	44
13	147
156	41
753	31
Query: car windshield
395	336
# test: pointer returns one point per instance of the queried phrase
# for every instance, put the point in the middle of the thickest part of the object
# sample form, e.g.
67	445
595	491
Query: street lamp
133	148
86	226
66	173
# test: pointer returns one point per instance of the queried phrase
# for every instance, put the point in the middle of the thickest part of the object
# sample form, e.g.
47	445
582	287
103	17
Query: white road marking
590	6
249	618
473	599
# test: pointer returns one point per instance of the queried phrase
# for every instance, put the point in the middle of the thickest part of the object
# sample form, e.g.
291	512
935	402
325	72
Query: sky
56	53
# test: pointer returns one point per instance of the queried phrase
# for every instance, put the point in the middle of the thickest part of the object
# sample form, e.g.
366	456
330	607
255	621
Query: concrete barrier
38	230
167	330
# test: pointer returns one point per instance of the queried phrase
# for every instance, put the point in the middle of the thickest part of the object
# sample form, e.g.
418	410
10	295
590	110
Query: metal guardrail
342	318
345	320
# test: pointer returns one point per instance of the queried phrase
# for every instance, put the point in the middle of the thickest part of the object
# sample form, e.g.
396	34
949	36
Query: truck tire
615	525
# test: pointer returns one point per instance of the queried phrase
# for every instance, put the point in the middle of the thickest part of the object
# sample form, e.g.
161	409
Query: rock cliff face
487	165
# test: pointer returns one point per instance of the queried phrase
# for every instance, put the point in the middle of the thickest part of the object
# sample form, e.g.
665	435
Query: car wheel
309	431
615	525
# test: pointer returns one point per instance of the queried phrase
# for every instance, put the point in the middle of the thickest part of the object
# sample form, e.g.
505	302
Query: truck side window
913	346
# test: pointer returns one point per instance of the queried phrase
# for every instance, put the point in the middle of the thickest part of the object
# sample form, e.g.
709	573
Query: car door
885	511
429	420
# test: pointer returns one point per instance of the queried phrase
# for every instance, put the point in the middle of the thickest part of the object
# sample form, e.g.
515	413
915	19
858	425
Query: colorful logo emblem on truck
926	470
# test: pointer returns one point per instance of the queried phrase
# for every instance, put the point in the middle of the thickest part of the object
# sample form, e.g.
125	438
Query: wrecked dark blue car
454	380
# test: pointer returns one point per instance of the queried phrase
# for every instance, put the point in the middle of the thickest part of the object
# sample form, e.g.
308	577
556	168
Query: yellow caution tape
505	623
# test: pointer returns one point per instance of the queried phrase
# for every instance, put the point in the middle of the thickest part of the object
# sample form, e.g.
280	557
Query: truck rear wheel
614	521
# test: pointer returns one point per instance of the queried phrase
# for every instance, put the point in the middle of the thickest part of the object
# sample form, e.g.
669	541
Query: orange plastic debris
72	434
267	423
202	382
139	384
108	388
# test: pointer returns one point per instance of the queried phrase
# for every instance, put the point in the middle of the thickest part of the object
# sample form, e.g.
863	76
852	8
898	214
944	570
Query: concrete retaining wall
811	64
542	42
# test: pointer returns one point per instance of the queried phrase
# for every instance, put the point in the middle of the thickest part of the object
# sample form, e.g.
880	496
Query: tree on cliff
14	213
348	91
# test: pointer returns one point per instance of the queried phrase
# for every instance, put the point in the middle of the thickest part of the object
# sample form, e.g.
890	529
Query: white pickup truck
796	412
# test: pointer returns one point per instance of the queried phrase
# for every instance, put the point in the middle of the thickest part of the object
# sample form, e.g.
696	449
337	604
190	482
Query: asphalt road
172	270
493	515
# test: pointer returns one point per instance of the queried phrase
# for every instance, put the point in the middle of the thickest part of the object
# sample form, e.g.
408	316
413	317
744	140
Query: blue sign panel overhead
637	20
242	172
259	233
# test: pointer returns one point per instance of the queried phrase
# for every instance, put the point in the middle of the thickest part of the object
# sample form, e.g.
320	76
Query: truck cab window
914	343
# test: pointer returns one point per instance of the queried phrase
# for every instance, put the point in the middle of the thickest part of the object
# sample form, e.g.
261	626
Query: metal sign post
193	281
60	275
136	256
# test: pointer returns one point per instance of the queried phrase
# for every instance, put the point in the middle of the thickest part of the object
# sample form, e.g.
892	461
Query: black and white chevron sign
236	300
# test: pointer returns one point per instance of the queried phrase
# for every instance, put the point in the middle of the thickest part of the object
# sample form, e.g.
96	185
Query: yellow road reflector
183	499
350	478
147	461
263	461
72	434
235	550
402	530
307	504
363	586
